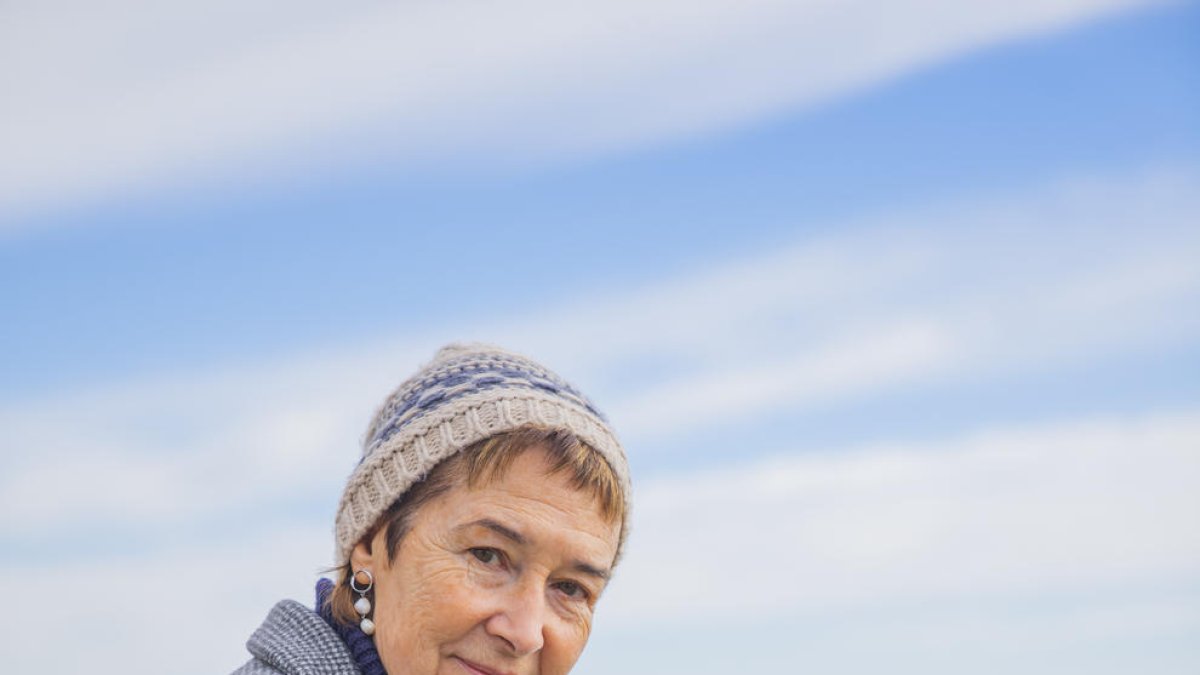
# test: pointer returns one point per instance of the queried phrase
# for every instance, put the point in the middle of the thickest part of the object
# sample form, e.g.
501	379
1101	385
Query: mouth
475	669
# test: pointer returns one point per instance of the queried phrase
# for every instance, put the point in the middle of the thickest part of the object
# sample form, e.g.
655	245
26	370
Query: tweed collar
296	641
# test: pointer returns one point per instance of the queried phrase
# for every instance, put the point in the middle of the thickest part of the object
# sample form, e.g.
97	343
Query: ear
362	557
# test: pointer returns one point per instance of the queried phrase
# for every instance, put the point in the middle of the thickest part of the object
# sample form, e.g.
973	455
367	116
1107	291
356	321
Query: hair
479	464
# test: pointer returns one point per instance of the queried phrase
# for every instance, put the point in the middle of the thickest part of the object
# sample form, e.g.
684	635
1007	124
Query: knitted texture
293	640
466	394
361	646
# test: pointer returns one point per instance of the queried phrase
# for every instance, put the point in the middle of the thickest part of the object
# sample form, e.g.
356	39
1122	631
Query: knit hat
466	394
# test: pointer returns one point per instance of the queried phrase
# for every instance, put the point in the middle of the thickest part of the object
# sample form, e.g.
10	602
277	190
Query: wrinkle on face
437	601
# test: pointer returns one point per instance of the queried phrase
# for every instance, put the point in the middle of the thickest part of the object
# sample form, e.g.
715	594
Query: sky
894	306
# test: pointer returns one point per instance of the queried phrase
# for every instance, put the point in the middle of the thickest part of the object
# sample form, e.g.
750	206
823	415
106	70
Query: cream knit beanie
467	393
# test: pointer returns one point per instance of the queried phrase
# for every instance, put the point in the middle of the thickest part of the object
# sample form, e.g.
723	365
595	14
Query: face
500	579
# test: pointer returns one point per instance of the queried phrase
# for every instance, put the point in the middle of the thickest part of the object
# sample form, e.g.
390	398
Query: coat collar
296	641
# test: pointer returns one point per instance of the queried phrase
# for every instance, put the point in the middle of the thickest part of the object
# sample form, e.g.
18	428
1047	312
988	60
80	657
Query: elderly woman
475	536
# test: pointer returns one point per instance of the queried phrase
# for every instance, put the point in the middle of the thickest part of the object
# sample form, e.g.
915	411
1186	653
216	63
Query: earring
363	605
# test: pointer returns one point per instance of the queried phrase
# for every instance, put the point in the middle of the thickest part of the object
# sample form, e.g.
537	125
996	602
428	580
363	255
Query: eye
572	590
487	556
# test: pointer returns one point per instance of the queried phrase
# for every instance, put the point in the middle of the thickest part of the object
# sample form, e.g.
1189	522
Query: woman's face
500	579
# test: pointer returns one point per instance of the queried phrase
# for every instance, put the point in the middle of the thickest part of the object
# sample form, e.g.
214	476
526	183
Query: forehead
546	505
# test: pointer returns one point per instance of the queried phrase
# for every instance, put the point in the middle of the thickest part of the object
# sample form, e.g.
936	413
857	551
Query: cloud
203	471
156	453
946	295
191	606
142	97
1077	504
1103	631
954	292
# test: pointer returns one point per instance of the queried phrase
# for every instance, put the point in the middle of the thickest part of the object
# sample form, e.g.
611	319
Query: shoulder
294	640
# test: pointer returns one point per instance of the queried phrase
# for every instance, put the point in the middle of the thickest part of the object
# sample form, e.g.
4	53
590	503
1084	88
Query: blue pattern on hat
456	379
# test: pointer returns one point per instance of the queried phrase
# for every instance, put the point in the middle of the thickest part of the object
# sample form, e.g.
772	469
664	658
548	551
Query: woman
474	537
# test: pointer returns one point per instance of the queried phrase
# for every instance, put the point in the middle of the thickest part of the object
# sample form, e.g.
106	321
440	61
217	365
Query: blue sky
195	276
921	280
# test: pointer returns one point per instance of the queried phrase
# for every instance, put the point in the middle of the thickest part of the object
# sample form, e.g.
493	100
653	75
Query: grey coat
294	640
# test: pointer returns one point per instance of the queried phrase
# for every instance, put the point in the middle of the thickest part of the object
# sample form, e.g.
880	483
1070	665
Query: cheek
422	610
564	645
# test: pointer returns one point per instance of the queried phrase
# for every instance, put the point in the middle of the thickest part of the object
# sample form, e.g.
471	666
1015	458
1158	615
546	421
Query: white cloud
1075	505
806	378
892	303
140	96
1080	506
951	293
160	452
192	607
1104	632
998	285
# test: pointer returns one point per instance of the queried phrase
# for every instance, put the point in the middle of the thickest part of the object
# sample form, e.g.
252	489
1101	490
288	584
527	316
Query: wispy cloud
1076	506
136	97
958	291
199	601
1008	510
945	295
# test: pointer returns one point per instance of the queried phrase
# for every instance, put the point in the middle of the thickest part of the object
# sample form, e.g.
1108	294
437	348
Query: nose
521	620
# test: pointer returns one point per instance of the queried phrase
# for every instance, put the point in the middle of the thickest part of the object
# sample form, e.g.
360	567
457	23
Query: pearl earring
363	605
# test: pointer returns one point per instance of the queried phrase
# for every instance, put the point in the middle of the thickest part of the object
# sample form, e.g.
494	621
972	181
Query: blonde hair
480	463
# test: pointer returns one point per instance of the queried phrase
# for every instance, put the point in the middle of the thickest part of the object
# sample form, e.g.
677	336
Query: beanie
469	392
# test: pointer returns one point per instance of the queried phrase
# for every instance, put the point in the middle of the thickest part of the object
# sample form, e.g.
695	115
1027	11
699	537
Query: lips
477	669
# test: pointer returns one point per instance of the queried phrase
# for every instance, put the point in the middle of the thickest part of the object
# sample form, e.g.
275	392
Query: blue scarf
361	646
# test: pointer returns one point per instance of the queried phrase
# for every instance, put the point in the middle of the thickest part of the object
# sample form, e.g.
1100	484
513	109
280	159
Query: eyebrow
517	538
590	570
500	529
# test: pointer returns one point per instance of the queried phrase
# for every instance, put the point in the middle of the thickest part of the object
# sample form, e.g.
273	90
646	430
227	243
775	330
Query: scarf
361	646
